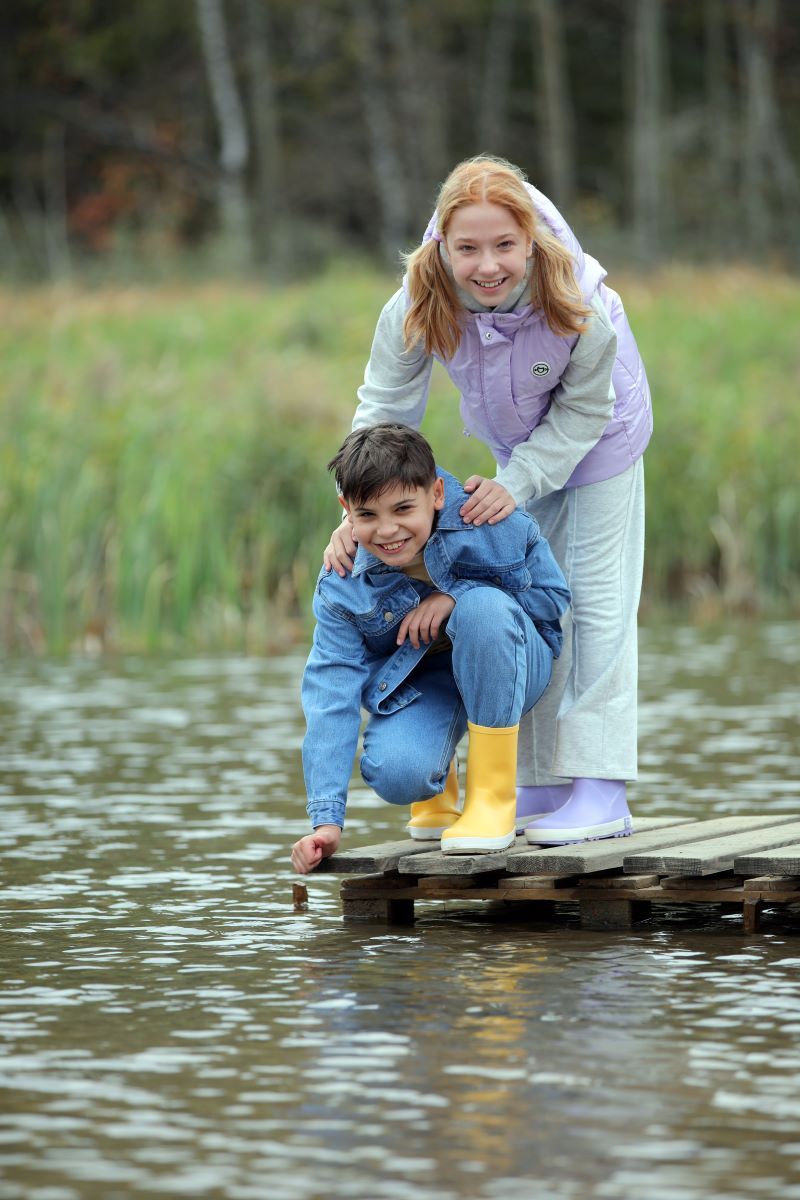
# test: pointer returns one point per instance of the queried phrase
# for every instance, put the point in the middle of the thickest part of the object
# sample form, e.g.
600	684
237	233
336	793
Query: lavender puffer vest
508	364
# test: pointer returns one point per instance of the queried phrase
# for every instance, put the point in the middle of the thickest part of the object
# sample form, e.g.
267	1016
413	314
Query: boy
442	627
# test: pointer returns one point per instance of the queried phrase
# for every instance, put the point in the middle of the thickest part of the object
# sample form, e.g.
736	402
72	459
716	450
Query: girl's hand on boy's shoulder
340	551
311	849
424	621
489	501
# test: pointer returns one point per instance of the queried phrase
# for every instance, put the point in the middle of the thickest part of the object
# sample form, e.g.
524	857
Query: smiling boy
441	627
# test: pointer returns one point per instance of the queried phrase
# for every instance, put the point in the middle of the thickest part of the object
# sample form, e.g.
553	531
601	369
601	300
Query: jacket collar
448	519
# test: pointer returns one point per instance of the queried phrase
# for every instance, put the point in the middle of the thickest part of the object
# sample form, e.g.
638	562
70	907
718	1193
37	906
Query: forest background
202	208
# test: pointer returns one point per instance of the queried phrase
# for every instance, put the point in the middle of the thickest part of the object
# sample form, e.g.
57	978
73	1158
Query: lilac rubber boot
540	801
597	808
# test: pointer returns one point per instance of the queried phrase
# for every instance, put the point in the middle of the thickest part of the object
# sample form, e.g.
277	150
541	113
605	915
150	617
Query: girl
551	380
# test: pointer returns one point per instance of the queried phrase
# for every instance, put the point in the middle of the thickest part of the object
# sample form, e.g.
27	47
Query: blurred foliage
162	470
109	143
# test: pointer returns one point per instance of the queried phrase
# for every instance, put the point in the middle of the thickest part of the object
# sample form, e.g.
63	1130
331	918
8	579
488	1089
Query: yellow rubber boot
489	819
430	818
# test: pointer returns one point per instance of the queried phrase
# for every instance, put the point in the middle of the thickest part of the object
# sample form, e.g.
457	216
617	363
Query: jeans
497	669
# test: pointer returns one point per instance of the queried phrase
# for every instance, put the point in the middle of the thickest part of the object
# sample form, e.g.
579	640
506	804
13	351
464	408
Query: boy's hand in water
340	551
425	621
311	849
489	501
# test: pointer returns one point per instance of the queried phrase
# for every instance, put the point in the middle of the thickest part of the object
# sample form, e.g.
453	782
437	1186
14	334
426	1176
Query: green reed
162	465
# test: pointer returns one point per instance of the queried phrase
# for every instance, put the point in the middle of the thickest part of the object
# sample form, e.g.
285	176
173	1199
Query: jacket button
382	687
387	616
488	335
497	579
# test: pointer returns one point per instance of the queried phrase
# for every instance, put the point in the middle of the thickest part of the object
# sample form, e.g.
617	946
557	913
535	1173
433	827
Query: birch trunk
493	111
646	129
234	145
265	126
555	104
390	183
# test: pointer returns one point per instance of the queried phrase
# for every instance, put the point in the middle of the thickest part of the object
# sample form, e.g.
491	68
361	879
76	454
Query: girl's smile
488	251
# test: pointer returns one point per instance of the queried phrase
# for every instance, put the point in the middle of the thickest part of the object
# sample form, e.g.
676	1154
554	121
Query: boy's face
395	525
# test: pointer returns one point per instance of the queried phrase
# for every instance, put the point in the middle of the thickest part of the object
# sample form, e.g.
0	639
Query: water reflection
171	1027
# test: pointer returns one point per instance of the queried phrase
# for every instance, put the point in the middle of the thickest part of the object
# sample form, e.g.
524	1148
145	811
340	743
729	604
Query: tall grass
162	475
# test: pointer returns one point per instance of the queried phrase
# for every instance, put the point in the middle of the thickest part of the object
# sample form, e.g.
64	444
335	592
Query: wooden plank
772	883
436	863
429	860
432	885
522	858
783	861
613	883
386	885
362	860
675	883
711	855
583	858
510	882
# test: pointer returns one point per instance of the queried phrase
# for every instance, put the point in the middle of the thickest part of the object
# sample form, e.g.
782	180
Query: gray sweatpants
585	723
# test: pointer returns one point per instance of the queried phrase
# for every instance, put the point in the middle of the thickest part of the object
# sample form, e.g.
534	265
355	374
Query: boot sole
426	835
589	833
477	845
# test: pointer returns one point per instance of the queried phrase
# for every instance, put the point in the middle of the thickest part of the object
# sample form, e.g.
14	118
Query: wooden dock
742	863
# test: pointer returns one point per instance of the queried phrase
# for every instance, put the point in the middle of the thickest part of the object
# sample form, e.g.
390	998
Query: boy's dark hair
377	457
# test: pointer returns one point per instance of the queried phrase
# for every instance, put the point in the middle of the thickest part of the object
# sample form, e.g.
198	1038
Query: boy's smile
396	525
488	251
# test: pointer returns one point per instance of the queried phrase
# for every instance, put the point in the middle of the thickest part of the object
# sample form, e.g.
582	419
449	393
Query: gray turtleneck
396	384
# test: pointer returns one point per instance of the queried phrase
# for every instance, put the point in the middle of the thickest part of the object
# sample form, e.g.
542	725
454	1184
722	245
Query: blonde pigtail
554	288
434	314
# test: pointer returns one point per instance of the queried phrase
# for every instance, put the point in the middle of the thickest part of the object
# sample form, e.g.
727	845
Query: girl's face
488	251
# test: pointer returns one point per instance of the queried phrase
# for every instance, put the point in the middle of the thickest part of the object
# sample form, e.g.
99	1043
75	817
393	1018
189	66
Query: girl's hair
435	315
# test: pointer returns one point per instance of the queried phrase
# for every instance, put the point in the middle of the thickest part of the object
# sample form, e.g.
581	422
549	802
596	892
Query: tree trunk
234	146
765	159
556	127
421	108
55	208
266	130
390	183
647	164
719	121
493	113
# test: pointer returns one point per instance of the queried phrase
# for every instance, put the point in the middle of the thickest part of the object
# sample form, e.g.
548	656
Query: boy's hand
489	501
311	849
340	550
425	620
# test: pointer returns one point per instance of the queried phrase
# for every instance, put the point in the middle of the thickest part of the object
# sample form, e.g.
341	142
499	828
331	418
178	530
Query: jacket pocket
511	577
384	617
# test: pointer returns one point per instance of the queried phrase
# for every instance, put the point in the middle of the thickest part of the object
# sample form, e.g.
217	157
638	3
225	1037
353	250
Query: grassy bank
162	461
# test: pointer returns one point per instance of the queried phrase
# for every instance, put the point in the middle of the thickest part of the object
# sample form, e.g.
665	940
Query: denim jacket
355	661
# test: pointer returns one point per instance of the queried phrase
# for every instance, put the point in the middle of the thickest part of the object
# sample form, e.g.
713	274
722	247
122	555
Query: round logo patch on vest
540	368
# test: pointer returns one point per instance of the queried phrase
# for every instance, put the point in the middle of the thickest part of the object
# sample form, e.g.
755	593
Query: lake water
170	1026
